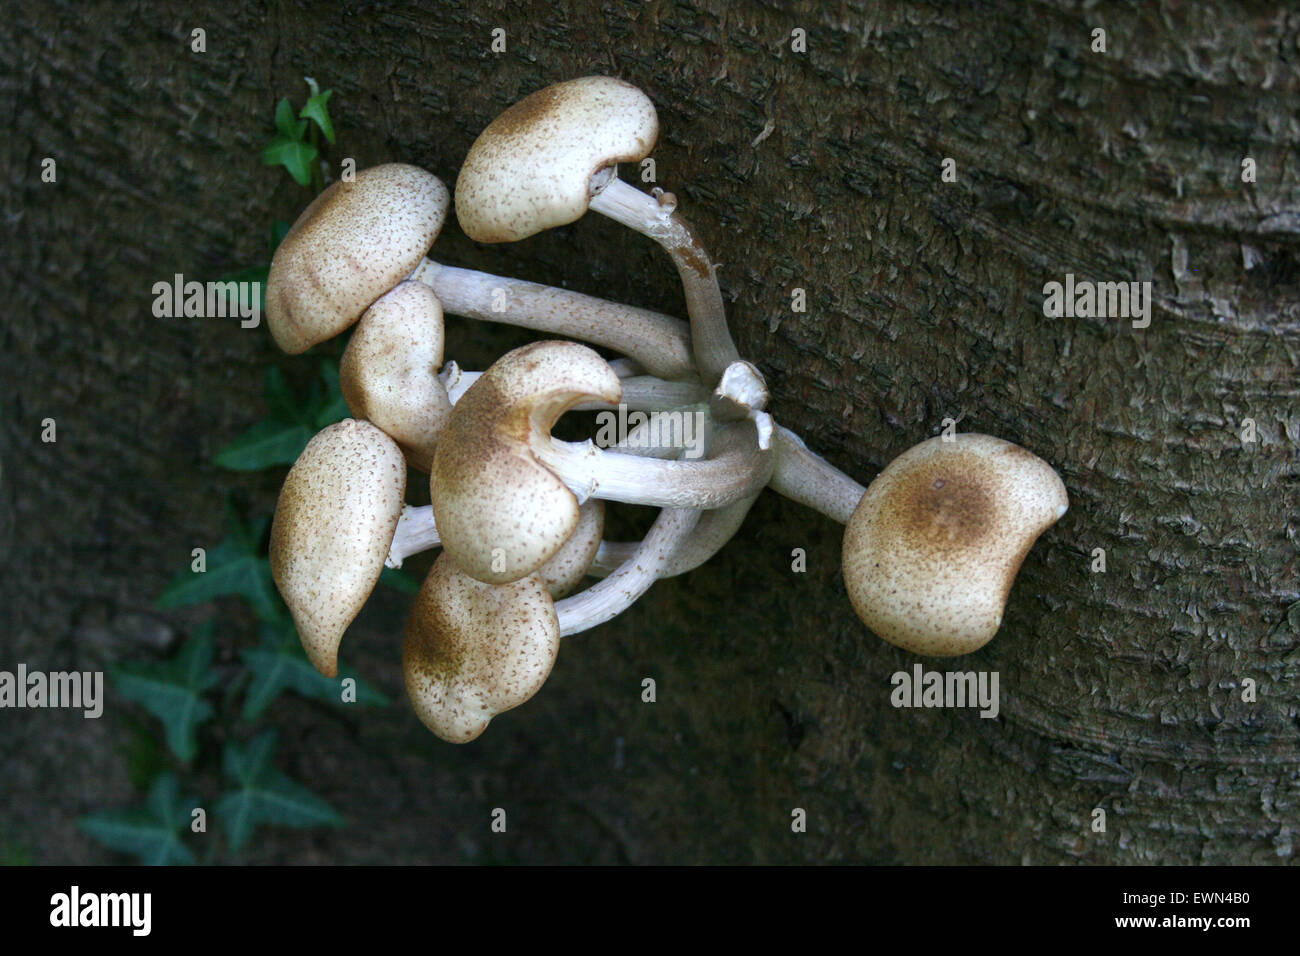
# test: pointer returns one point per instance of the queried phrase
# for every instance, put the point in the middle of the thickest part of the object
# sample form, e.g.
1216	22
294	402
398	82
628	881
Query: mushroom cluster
930	550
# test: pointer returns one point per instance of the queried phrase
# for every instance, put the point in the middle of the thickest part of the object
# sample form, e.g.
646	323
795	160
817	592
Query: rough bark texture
821	170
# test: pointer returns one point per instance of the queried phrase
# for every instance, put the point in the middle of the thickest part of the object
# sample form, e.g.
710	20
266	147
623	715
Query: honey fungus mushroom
334	523
554	154
504	490
360	238
933	547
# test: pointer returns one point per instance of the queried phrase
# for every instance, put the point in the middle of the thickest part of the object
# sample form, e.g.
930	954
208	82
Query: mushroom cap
351	245
333	525
568	567
473	650
502	514
389	371
531	168
934	545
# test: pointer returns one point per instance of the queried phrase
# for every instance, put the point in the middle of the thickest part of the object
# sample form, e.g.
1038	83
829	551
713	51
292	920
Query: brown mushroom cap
501	513
473	650
351	245
333	524
531	168
563	572
934	545
389	371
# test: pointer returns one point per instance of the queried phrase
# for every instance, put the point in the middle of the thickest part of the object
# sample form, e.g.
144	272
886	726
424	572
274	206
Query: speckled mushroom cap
473	650
351	245
333	525
934	545
531	168
389	371
563	572
502	514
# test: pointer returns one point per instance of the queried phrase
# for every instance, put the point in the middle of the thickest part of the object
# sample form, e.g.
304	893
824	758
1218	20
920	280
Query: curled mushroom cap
473	650
333	524
501	513
563	572
531	168
935	543
389	371
354	242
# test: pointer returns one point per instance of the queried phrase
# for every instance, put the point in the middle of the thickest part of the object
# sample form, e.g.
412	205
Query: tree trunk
1127	690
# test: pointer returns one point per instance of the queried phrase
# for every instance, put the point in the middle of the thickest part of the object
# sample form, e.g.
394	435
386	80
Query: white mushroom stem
416	531
804	476
656	217
735	469
661	343
642	393
611	597
714	530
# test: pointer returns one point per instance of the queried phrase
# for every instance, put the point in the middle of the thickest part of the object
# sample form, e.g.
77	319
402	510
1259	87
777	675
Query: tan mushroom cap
502	514
568	567
333	524
531	168
389	371
934	545
473	650
351	245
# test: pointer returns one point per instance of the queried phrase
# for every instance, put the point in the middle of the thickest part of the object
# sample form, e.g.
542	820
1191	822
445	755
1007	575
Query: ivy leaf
264	794
288	124
173	691
399	580
279	229
235	566
279	664
151	832
330	405
267	444
294	155
317	111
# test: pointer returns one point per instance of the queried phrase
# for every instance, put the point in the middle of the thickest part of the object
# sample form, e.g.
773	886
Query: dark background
1120	690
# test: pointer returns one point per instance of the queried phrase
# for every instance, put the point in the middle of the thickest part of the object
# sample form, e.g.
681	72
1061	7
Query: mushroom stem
804	476
416	532
641	393
661	343
611	597
736	468
714	529
656	217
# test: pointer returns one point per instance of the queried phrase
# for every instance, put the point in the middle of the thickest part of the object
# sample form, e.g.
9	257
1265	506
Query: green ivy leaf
265	795
265	445
317	111
289	125
151	832
279	664
399	580
279	229
330	406
294	155
173	691
235	566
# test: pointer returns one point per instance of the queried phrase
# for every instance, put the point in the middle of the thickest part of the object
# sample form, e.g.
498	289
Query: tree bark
821	170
